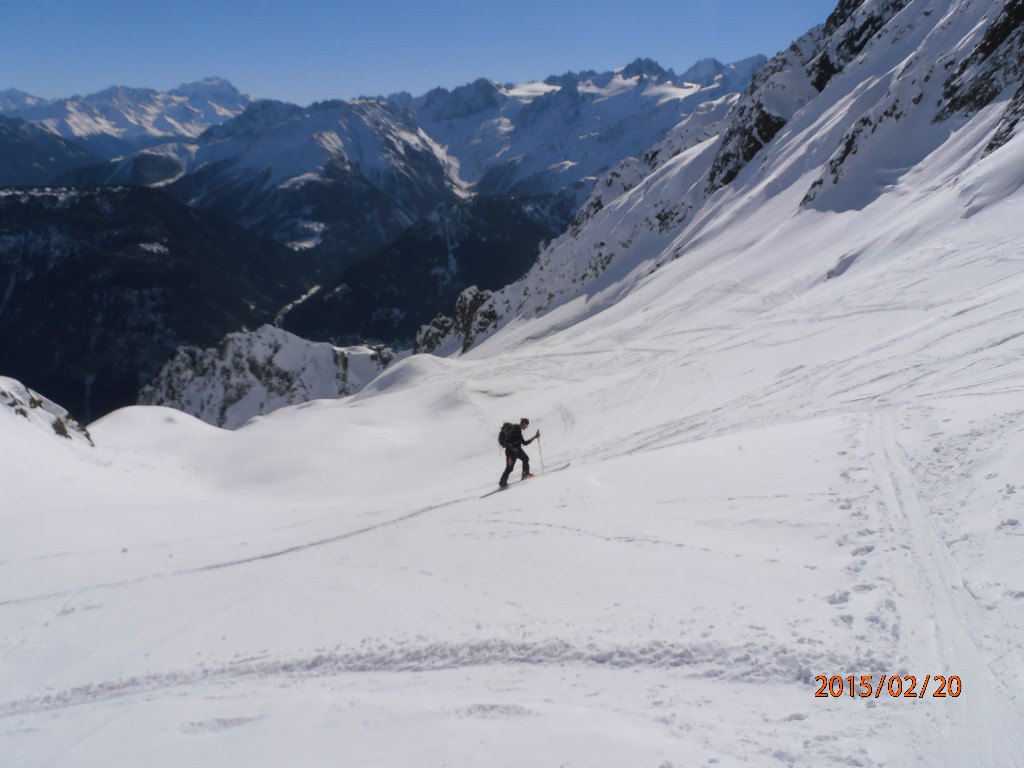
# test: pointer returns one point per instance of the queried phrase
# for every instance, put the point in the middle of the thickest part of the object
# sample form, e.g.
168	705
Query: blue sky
307	50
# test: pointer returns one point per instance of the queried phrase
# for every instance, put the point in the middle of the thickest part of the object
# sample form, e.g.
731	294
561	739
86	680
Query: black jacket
515	439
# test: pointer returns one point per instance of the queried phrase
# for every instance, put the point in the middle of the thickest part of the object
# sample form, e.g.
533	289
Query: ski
559	468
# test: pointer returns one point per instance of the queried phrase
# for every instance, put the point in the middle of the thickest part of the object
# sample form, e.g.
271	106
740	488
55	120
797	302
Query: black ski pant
511	454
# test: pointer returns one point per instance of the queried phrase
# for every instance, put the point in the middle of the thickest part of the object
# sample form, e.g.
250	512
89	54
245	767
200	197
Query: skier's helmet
524	422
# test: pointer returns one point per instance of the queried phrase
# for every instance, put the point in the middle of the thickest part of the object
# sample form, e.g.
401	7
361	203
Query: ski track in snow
760	663
242	561
987	730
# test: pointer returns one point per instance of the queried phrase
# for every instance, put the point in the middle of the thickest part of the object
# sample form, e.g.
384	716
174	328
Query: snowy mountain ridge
122	120
559	134
338	177
842	114
277	166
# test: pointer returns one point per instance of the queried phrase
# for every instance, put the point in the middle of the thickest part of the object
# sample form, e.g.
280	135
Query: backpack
506	430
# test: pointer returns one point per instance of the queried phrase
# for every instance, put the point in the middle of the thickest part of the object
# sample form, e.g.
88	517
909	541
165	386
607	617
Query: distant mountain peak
122	90
206	82
254	117
464	101
12	100
209	87
569	79
644	68
703	72
14	93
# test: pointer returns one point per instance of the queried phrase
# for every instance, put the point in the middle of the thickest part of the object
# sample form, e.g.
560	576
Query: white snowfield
796	436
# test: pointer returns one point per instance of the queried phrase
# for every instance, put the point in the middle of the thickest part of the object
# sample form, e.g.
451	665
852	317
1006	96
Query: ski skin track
265	556
541	474
243	561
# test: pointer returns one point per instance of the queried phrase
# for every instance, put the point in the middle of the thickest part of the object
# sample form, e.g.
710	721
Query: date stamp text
893	686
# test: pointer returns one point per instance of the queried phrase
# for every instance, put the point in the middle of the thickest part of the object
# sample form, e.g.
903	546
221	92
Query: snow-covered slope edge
19	404
251	374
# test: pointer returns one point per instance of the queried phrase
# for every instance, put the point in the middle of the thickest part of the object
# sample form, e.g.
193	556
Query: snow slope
795	437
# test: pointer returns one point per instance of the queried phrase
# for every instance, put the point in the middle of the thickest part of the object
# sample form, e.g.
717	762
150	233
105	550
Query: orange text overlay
893	686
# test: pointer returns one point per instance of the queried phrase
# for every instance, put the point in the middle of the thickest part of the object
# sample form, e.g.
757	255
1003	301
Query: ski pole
541	452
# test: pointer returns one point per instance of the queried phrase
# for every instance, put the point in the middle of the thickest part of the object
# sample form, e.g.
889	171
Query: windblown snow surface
796	436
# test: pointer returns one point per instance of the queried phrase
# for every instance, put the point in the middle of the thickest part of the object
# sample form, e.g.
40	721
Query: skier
514	443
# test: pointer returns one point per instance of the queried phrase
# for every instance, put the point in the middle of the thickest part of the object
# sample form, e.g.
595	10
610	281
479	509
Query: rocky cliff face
250	374
790	80
994	65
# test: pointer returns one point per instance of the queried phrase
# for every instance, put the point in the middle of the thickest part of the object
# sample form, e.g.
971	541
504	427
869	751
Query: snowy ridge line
244	561
753	662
